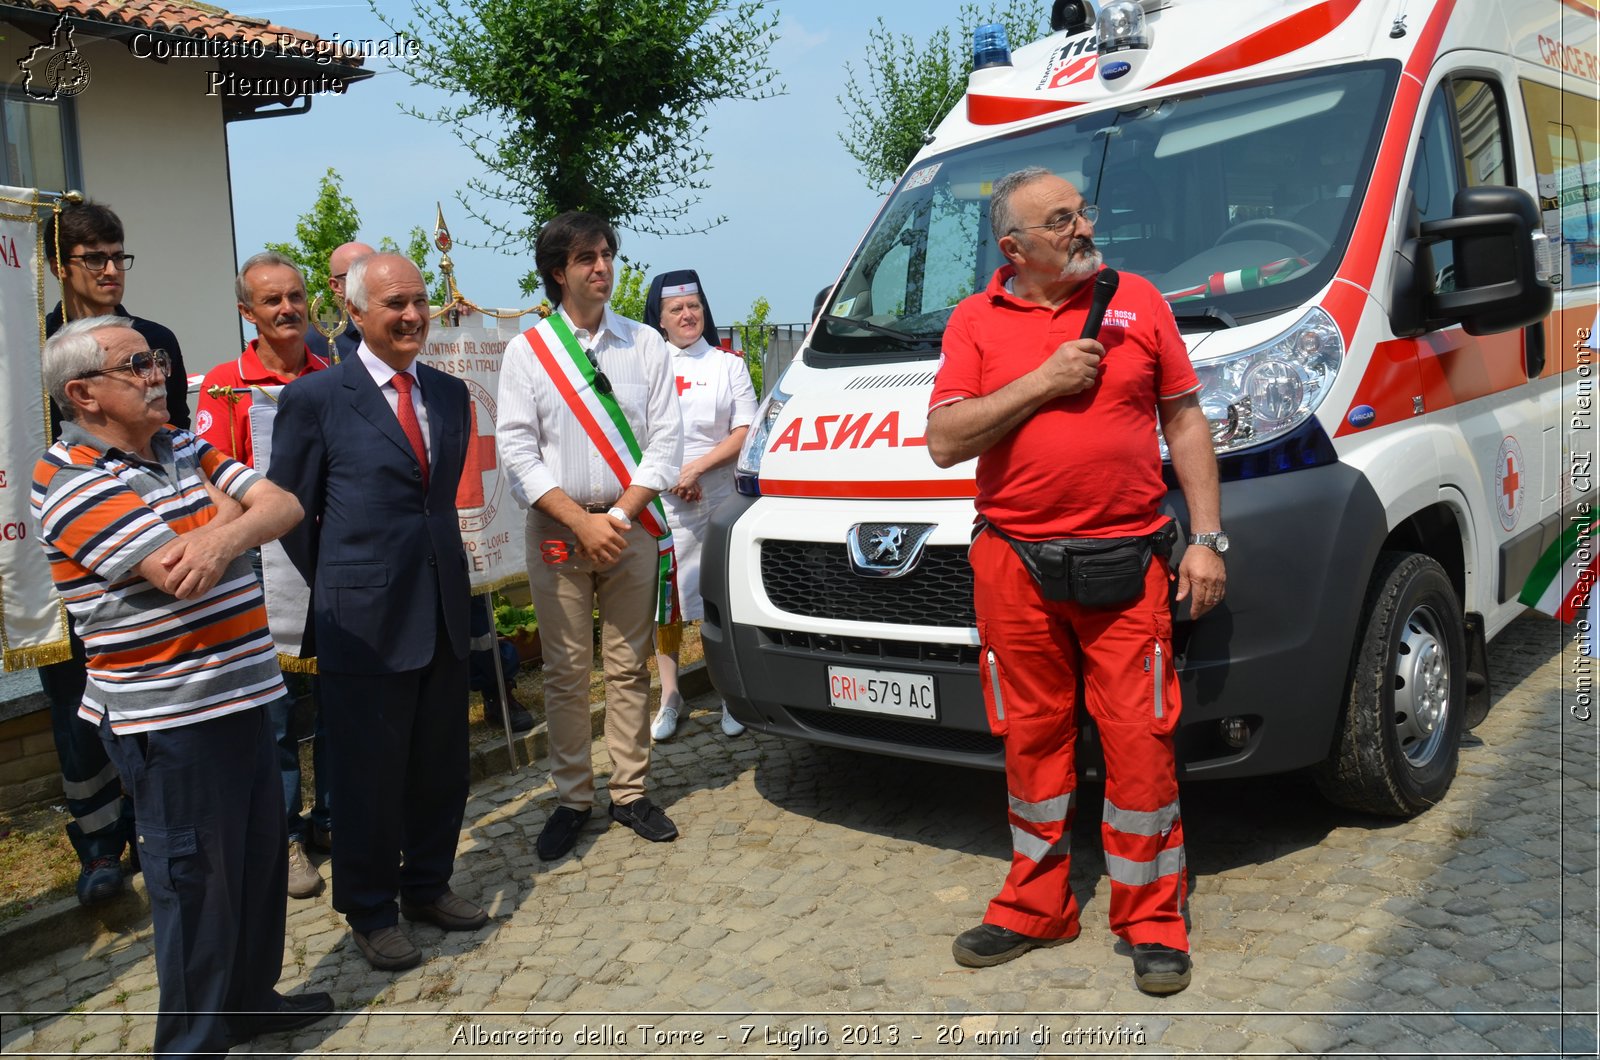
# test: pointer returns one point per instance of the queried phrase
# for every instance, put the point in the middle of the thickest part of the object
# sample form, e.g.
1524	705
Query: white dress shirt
383	375
542	445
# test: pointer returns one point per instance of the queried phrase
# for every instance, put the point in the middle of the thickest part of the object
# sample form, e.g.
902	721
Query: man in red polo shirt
1064	429
272	296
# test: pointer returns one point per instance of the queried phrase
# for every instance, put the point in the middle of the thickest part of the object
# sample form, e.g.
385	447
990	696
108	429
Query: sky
794	200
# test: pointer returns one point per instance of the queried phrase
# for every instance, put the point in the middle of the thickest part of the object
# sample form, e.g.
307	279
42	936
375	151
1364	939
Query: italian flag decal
1564	576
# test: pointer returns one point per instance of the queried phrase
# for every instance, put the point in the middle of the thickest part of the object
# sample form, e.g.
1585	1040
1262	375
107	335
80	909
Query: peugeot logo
886	550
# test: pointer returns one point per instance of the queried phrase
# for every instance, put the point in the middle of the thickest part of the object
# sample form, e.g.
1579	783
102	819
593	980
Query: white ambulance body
1375	221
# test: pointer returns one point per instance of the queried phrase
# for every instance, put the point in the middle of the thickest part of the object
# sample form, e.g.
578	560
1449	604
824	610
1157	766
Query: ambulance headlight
748	470
1268	390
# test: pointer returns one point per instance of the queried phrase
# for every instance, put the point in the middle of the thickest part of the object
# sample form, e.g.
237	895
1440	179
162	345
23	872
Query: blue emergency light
990	47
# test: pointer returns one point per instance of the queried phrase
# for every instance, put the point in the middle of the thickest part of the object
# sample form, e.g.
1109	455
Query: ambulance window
1566	160
1463	144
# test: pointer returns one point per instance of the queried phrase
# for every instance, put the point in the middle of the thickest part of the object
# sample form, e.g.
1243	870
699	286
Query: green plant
509	619
755	335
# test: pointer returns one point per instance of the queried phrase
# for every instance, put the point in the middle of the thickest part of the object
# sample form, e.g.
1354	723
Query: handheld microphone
1105	285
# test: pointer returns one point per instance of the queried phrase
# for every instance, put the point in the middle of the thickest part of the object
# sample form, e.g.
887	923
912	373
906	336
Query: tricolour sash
602	420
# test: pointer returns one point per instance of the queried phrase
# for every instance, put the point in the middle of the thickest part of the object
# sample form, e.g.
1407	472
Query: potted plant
520	626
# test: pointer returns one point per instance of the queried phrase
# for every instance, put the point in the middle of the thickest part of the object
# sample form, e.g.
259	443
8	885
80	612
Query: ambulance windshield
1236	203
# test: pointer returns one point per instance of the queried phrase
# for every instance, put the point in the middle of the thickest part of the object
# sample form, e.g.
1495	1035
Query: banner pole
500	680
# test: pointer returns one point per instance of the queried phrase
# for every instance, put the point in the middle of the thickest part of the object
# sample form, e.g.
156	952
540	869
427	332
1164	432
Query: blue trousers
212	845
286	737
102	816
400	774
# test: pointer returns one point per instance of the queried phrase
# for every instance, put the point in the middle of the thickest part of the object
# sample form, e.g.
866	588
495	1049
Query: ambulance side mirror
1498	284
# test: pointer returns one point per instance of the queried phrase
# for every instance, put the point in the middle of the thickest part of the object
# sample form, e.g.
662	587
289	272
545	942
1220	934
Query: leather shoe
449	911
521	720
561	832
99	881
1159	969
320	839
388	949
304	879
294	1011
644	817
990	944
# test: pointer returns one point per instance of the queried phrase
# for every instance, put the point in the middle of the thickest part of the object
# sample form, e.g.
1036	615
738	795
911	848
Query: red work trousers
1033	652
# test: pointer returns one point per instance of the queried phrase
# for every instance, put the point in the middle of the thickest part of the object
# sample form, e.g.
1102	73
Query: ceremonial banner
288	596
32	623
491	522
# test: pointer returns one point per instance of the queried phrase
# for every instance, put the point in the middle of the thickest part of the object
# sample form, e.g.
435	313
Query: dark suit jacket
383	558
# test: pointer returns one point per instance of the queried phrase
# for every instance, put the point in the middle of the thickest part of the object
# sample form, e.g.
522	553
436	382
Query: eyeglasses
143	364
96	261
601	383
1064	223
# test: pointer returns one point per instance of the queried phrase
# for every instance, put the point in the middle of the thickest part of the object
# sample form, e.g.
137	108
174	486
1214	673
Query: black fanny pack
1093	572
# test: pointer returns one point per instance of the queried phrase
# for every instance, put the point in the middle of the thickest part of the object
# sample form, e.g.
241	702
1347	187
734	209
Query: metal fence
777	344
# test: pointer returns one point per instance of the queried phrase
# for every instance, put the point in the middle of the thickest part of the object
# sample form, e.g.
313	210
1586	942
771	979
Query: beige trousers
566	590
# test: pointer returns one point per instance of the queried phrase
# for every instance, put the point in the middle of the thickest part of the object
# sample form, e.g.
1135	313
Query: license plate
882	692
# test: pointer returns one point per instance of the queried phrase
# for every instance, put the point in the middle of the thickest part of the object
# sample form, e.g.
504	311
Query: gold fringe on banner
40	655
294	664
669	638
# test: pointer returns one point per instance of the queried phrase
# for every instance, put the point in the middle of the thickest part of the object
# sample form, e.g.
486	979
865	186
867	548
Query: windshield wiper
1209	317
910	341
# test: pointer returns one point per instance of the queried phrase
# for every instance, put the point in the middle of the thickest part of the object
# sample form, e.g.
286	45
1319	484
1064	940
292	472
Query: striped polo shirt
155	661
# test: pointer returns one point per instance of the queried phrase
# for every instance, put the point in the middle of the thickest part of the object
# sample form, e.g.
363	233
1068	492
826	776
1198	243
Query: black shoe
99	881
521	720
644	817
320	838
1159	969
561	832
294	1011
991	944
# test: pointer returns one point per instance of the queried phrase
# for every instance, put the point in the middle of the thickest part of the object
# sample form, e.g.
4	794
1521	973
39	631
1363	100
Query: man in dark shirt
83	245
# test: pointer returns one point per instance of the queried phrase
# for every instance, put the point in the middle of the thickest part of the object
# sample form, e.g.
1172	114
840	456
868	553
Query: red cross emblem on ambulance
1510	482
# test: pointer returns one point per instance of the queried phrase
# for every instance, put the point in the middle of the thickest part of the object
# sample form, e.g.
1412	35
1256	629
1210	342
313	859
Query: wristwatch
618	513
1216	542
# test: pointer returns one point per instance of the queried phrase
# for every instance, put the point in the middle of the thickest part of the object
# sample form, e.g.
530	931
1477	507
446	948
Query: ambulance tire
1396	747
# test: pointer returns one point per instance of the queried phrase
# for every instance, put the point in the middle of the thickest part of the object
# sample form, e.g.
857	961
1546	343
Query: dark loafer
388	949
294	1011
990	944
1159	969
644	817
449	911
561	832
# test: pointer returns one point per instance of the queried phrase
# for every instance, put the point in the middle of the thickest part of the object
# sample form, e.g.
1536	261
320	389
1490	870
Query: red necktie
408	423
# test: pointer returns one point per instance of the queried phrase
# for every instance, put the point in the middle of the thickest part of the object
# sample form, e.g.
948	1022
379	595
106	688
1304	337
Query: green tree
418	248
628	295
331	221
910	85
754	336
597	105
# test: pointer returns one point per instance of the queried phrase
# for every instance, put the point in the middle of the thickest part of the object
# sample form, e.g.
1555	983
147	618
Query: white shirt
542	445
384	375
715	393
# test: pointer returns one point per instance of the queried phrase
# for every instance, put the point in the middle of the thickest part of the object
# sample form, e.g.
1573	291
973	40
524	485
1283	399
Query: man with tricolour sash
589	433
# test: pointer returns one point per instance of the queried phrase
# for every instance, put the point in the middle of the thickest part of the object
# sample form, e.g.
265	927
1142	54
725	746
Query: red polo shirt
1086	465
227	426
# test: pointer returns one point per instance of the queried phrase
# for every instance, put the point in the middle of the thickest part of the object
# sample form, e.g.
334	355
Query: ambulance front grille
881	382
813	579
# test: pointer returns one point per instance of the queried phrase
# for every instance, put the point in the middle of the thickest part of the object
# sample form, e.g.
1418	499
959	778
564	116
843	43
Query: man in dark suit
374	449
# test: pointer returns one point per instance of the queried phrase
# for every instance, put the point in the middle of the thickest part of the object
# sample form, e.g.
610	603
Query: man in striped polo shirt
145	529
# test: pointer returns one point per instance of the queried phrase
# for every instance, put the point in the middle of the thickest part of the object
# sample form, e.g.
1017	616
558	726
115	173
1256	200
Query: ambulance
1376	224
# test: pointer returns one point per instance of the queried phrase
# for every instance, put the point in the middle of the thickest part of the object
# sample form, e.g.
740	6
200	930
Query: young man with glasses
83	245
589	433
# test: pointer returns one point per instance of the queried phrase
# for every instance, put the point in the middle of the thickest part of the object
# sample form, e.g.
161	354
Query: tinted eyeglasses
1064	223
601	383
143	364
96	262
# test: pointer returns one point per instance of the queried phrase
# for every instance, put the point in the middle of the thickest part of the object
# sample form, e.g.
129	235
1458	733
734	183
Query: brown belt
599	509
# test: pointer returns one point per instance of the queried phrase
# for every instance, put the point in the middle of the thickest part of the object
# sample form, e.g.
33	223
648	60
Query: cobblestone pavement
809	906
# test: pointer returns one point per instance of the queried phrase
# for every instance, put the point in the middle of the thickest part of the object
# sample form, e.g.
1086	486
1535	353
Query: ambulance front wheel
1396	747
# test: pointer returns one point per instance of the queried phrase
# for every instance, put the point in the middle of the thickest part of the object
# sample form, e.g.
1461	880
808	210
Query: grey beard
1080	267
